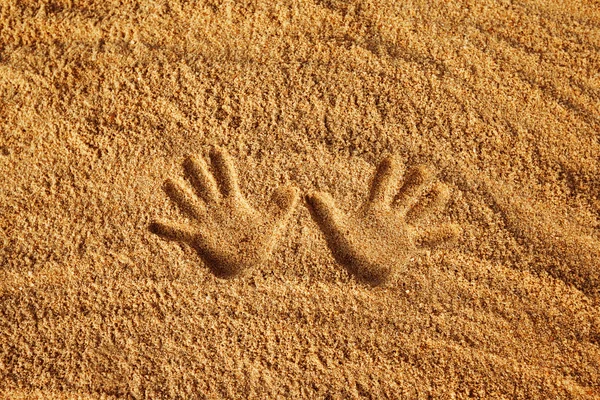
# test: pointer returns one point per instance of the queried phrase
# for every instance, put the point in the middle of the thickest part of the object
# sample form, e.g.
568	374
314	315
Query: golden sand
299	199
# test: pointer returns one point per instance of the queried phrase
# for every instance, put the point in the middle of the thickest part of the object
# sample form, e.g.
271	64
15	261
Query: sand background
100	102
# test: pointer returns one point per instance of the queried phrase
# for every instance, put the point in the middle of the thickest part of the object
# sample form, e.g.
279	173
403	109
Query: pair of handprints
232	236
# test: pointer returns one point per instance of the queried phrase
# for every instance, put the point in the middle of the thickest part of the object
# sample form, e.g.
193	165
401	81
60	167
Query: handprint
228	233
381	236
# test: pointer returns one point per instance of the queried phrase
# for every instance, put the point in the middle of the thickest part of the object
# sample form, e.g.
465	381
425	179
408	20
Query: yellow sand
495	294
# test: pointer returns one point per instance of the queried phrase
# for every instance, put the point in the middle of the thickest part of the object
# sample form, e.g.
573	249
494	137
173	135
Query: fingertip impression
441	236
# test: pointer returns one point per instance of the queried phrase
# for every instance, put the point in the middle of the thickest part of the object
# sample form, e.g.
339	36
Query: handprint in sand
390	227
228	233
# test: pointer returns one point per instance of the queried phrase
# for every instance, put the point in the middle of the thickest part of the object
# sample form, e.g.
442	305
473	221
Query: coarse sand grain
299	199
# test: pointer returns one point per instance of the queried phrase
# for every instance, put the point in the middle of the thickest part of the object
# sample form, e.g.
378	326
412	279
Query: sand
300	199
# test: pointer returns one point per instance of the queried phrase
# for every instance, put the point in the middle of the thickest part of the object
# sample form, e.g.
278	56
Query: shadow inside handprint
390	227
227	232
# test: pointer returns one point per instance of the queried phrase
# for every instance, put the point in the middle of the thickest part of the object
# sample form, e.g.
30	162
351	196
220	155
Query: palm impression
390	227
229	234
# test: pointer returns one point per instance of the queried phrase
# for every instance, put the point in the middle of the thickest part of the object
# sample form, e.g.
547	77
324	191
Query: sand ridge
101	102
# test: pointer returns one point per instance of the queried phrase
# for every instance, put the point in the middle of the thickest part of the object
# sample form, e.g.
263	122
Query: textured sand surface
280	146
